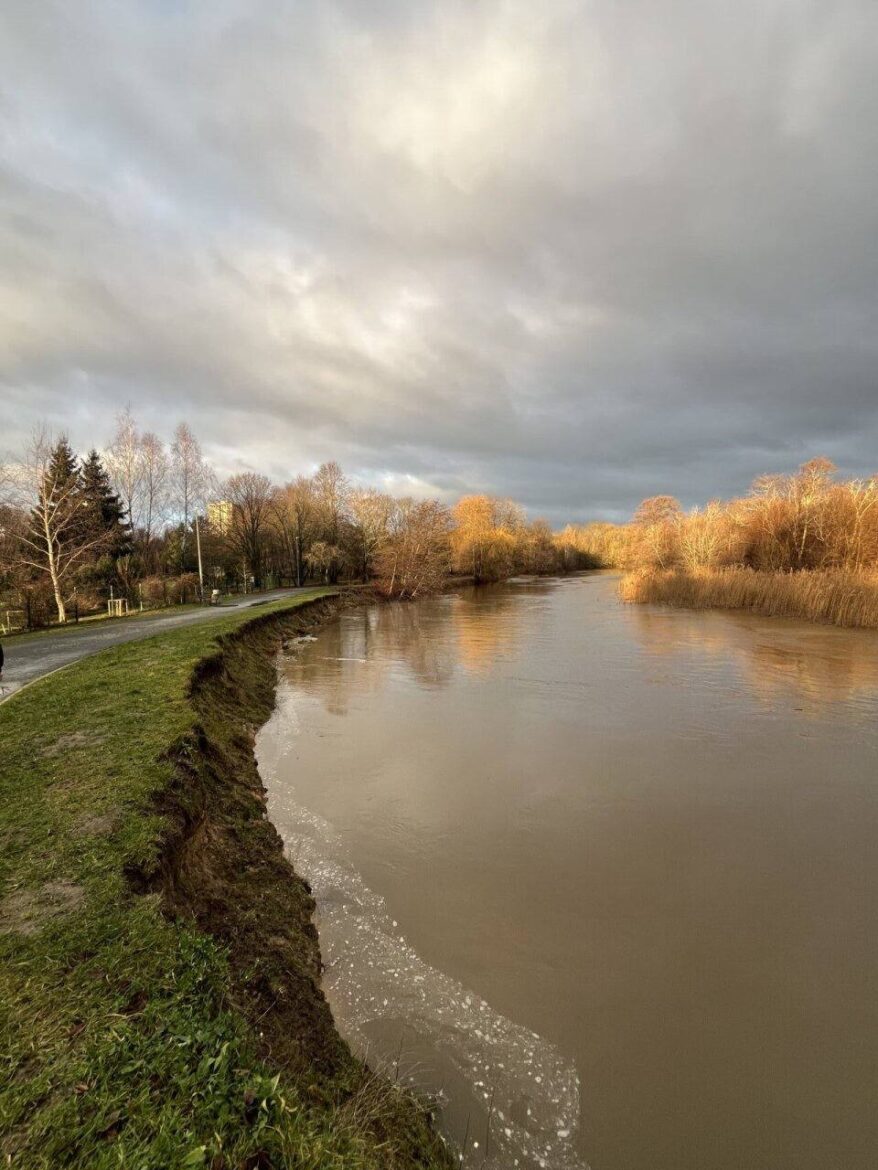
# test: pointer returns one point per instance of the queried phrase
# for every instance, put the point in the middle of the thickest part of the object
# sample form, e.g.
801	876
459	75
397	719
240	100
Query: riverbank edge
227	870
217	865
830	597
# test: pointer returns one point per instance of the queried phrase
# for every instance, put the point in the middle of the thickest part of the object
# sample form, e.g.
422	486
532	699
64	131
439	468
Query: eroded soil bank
223	864
170	1014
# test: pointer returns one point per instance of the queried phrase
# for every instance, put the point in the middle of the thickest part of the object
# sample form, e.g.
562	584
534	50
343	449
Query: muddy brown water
600	878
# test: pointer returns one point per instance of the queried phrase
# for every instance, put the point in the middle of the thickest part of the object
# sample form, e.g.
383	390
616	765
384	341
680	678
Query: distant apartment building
219	516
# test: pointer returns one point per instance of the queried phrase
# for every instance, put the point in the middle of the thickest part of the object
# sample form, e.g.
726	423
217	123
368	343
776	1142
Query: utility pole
200	569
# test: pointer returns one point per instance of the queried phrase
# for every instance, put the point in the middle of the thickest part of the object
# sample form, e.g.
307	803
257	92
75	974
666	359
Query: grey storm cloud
577	252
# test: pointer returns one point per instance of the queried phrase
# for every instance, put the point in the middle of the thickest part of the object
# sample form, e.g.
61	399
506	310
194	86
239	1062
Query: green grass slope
158	968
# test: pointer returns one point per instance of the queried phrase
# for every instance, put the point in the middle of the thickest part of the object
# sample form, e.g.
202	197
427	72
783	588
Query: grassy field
833	596
158	967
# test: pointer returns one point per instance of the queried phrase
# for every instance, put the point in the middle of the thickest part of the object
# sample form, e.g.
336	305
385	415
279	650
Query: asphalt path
30	658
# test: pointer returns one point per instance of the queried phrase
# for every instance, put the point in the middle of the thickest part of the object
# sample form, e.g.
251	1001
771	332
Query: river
602	878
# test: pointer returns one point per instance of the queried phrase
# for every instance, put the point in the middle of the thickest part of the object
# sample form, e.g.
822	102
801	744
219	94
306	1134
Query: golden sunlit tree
295	519
656	532
487	537
414	556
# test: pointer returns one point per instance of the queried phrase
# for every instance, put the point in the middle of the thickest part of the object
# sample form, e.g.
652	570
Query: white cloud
576	253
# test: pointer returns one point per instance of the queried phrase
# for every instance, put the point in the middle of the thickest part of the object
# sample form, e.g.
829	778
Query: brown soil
222	864
27	911
67	743
96	826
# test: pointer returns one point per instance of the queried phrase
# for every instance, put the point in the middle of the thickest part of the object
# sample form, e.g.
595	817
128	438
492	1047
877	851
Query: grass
833	596
158	967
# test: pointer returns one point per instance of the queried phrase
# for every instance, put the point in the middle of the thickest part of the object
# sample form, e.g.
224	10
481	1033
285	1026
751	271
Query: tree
487	536
701	536
295	520
104	513
250	496
56	538
370	513
331	497
599	545
155	483
789	518
539	553
414	556
863	507
12	522
809	492
125	464
656	522
322	559
190	479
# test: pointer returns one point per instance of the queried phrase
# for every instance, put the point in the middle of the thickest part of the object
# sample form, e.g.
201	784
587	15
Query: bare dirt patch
98	825
71	742
26	911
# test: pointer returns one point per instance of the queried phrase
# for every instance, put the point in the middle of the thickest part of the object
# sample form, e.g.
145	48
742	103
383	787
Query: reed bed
836	596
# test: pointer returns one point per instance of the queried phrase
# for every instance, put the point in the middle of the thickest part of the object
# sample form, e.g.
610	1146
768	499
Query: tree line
807	520
152	522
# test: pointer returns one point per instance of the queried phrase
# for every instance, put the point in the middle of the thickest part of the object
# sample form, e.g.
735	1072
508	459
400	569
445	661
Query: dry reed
837	596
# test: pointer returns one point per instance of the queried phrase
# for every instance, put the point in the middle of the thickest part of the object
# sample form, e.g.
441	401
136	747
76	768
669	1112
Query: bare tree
12	522
322	559
155	483
124	462
53	539
331	495
190	480
488	536
370	513
415	556
700	536
657	522
250	496
295	520
863	506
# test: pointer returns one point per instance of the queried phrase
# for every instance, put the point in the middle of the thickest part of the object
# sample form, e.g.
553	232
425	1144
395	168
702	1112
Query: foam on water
505	1090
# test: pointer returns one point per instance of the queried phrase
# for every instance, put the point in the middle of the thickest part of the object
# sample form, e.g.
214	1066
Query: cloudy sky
576	251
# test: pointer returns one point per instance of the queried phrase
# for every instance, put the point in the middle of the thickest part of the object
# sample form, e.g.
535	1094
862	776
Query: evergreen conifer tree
56	515
62	472
56	539
104	512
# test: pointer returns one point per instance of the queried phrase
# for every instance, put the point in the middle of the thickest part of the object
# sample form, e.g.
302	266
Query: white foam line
373	974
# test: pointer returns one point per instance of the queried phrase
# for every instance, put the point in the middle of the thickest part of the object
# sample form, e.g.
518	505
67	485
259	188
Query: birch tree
55	539
415	555
155	484
124	462
190	480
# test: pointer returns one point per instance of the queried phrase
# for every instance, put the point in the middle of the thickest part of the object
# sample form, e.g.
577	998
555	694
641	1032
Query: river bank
160	967
833	596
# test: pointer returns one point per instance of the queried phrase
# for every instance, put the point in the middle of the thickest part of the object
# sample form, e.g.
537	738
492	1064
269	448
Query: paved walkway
29	658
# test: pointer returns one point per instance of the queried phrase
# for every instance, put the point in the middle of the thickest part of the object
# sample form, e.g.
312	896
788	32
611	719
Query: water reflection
487	622
554	839
779	661
371	644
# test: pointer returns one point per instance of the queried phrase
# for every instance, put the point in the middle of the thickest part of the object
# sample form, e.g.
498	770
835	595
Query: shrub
838	596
